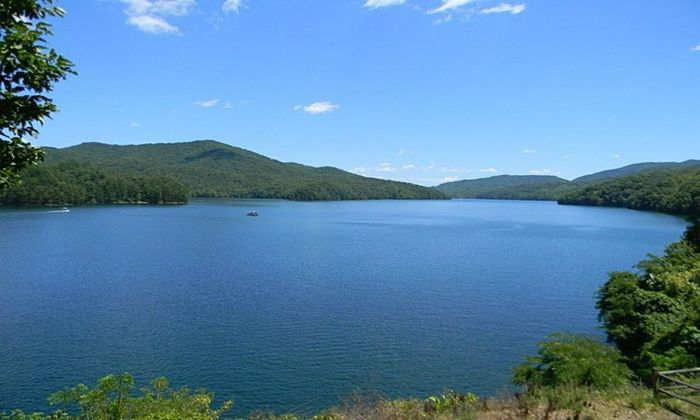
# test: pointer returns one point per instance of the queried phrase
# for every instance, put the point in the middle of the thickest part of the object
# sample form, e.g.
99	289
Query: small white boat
65	210
252	213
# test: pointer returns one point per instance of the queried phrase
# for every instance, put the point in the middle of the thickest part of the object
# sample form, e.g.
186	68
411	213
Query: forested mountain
69	183
633	169
515	187
212	169
665	186
665	190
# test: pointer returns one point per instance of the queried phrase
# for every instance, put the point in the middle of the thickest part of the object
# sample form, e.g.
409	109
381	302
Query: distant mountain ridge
633	169
515	187
547	187
212	169
668	187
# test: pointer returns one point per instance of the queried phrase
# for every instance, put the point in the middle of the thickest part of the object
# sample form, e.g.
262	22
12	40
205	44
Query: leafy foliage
28	70
71	183
573	360
654	315
113	398
212	169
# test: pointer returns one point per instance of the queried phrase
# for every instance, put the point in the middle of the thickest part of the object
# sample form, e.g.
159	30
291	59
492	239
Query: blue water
295	309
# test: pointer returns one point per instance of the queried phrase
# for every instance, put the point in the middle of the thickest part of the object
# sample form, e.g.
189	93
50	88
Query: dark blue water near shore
295	309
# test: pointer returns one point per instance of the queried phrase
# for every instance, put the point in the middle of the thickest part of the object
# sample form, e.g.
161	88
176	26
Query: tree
28	70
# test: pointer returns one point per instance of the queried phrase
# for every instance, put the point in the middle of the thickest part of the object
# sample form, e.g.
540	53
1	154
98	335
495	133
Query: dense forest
674	191
71	183
212	169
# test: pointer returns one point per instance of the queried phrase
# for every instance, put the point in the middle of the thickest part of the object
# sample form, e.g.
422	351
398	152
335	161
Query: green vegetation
569	359
28	70
113	398
73	183
674	191
653	316
508	187
212	169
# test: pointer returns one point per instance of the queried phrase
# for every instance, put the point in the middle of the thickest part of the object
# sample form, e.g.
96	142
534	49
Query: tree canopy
29	68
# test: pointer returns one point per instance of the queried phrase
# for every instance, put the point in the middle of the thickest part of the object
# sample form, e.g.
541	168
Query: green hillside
634	169
69	183
212	169
514	187
666	190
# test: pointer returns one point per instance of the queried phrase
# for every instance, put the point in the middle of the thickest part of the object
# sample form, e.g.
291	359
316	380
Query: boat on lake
252	213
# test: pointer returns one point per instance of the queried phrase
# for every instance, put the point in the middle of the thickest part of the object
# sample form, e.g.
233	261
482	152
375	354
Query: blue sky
424	91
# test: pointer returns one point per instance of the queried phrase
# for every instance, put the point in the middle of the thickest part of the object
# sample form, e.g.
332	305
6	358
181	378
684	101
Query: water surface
296	308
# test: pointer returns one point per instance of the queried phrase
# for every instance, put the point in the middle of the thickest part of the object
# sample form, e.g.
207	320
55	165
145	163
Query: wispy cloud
448	5
543	172
616	156
360	170
695	48
150	15
134	124
385	167
568	156
232	6
449	179
316	108
489	170
445	19
513	9
408	166
528	151
207	103
376	4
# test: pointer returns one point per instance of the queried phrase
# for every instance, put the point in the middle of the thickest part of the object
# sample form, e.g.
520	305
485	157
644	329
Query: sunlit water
296	308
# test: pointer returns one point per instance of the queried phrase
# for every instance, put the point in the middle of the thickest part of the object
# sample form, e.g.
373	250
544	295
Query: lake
296	308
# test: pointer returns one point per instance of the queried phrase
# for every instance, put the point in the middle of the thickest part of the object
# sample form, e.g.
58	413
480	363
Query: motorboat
252	213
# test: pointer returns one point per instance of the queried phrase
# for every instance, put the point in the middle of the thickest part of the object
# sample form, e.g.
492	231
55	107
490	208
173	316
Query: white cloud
489	170
228	105
448	5
231	6
150	15
695	48
528	151
430	167
408	166
376	4
568	156
513	9
616	156
316	108
543	172
206	103
153	25
449	179
134	124
360	170
440	21
385	167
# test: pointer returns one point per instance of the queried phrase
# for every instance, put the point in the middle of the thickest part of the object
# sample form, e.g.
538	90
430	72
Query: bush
573	360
